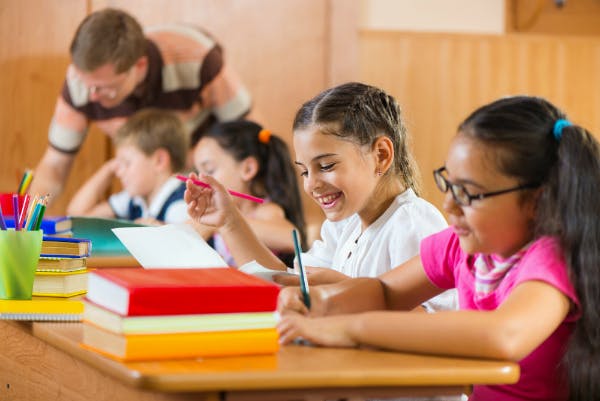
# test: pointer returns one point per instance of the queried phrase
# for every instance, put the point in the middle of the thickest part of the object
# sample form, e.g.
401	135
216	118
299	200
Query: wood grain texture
33	62
49	360
439	79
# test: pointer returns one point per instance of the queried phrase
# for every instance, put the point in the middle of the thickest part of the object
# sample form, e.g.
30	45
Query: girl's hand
327	331
208	206
291	301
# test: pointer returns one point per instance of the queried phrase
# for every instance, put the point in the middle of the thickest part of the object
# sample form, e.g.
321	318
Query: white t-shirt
176	210
390	241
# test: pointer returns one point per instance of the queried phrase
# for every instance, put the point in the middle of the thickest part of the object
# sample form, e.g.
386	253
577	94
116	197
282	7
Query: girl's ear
531	203
383	150
248	168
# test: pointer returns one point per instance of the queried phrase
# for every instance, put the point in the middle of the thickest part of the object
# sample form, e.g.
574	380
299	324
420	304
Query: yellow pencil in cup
30	209
25	182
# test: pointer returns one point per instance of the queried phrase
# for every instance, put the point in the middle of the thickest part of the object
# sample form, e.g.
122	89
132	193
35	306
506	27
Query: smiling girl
247	158
523	250
352	154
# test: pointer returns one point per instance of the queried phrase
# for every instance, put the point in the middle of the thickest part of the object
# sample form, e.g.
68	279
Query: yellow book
160	324
61	264
65	247
60	284
146	347
44	309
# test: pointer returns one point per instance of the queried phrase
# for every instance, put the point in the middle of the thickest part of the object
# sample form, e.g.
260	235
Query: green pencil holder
19	255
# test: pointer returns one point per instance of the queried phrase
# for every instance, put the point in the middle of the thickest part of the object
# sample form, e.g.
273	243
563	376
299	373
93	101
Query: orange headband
264	136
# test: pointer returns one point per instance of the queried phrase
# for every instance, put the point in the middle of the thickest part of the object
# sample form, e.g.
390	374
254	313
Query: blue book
63	247
50	224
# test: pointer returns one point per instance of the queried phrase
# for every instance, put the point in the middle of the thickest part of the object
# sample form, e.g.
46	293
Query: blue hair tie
558	127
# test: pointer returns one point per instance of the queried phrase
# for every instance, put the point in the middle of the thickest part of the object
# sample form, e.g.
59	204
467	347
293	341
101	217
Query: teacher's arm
66	135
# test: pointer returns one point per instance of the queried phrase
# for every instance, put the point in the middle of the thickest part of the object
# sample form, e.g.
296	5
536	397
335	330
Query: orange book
145	347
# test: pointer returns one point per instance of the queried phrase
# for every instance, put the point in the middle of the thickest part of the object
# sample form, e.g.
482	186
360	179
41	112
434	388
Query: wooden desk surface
294	370
112	261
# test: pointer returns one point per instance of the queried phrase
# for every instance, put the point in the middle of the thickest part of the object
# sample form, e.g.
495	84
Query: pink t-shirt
542	376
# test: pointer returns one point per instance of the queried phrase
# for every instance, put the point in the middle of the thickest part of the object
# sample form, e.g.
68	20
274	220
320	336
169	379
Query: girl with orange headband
247	158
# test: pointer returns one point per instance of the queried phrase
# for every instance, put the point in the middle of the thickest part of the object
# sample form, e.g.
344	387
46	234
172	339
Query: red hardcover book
143	292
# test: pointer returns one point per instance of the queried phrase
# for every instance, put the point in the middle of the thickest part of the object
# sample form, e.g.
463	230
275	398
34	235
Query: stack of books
62	267
135	314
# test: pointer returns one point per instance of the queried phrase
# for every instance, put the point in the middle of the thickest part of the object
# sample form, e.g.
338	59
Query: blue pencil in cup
2	221
303	279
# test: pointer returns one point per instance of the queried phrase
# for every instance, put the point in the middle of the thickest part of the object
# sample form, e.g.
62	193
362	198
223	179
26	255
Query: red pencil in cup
234	193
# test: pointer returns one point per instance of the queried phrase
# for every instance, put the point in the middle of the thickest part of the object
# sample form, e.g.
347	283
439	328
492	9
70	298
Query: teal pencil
33	220
40	217
303	278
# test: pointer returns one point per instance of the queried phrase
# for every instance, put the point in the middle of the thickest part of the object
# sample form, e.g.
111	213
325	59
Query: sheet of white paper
256	269
169	246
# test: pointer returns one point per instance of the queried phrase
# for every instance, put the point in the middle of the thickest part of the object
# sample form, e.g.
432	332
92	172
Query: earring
379	173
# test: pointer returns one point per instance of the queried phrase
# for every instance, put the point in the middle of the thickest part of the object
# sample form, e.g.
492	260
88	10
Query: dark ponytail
276	177
565	161
570	209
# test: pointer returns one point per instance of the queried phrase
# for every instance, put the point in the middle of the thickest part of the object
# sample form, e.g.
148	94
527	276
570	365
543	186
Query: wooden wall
33	59
280	49
439	79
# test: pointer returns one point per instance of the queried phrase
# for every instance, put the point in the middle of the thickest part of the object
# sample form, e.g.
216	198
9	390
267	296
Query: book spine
168	301
197	345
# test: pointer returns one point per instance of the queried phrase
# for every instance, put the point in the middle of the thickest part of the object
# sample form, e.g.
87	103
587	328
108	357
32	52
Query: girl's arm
527	317
214	207
272	228
402	288
90	199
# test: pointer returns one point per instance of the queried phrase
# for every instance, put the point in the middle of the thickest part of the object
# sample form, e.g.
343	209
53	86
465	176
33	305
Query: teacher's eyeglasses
460	194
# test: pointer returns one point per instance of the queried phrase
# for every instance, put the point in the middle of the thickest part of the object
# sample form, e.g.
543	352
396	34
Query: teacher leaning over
118	69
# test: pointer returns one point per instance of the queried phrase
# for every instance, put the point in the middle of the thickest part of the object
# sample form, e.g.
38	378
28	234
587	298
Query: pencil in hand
233	193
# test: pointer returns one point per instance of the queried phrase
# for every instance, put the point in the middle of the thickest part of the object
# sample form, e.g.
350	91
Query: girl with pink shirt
522	196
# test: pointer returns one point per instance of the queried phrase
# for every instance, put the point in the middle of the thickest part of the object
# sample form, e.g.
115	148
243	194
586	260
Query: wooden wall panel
33	58
440	78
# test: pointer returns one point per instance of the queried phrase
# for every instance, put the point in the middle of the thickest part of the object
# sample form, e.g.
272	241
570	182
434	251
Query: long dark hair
362	113
276	177
567	166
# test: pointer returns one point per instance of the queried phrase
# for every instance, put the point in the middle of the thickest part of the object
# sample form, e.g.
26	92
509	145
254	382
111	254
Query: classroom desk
41	361
112	261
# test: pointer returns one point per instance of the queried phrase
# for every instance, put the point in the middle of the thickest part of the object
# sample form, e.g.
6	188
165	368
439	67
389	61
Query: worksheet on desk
169	246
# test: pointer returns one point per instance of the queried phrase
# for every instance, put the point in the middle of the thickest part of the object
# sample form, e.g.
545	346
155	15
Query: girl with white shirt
351	150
